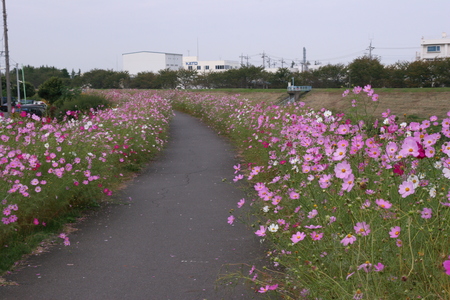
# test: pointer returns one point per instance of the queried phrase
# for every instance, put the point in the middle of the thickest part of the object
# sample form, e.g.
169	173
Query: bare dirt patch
421	104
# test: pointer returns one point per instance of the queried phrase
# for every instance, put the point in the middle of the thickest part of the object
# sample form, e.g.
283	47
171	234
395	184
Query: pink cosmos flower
238	177
426	213
349	239
36	222
297	237
357	90
259	186
325	181
261	231
395	232
406	189
294	195
241	203
266	288
349	183
409	147
383	203
343	170
312	213
316	236
362	228
378	267
230	219
313	226
7	211
367	267
398	243
343	129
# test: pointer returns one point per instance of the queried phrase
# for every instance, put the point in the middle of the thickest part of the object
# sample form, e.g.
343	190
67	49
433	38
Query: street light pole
18	83
8	83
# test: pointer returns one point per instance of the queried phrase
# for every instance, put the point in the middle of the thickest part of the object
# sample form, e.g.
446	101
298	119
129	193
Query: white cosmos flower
273	228
414	179
446	172
433	192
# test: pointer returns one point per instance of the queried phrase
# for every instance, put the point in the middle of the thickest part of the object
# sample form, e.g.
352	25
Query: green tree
143	80
167	79
418	74
395	75
52	89
186	78
441	72
280	78
30	91
105	79
366	70
330	76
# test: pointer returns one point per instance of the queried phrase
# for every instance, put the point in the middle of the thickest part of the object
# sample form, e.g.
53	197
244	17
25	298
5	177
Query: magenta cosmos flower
395	232
362	228
446	265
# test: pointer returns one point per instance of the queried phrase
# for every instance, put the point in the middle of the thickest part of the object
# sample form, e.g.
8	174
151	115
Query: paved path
169	242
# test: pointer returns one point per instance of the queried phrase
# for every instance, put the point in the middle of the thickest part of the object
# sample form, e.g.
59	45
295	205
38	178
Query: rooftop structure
206	66
149	61
435	48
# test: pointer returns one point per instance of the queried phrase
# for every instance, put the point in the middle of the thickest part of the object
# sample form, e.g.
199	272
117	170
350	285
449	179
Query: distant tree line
361	71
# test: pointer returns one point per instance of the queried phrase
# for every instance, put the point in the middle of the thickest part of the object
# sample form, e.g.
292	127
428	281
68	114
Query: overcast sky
89	34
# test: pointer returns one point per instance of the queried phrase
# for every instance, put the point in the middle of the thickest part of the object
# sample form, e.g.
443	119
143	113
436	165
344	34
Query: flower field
48	168
350	205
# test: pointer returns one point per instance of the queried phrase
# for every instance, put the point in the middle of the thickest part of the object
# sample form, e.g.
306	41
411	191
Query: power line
398	48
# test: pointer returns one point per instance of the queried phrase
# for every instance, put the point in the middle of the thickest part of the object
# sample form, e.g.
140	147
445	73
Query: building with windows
206	66
149	61
435	48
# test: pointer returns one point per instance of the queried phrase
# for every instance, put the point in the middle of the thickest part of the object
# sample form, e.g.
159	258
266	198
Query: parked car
36	109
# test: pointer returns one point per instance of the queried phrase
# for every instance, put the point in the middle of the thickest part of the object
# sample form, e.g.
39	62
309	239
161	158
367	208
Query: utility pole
370	49
24	87
282	63
242	57
264	59
8	83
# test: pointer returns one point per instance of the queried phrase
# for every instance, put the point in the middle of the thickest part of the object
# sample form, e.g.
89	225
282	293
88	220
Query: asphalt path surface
166	237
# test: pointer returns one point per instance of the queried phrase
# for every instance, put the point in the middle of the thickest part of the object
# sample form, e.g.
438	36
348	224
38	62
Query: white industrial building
149	61
206	66
435	48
